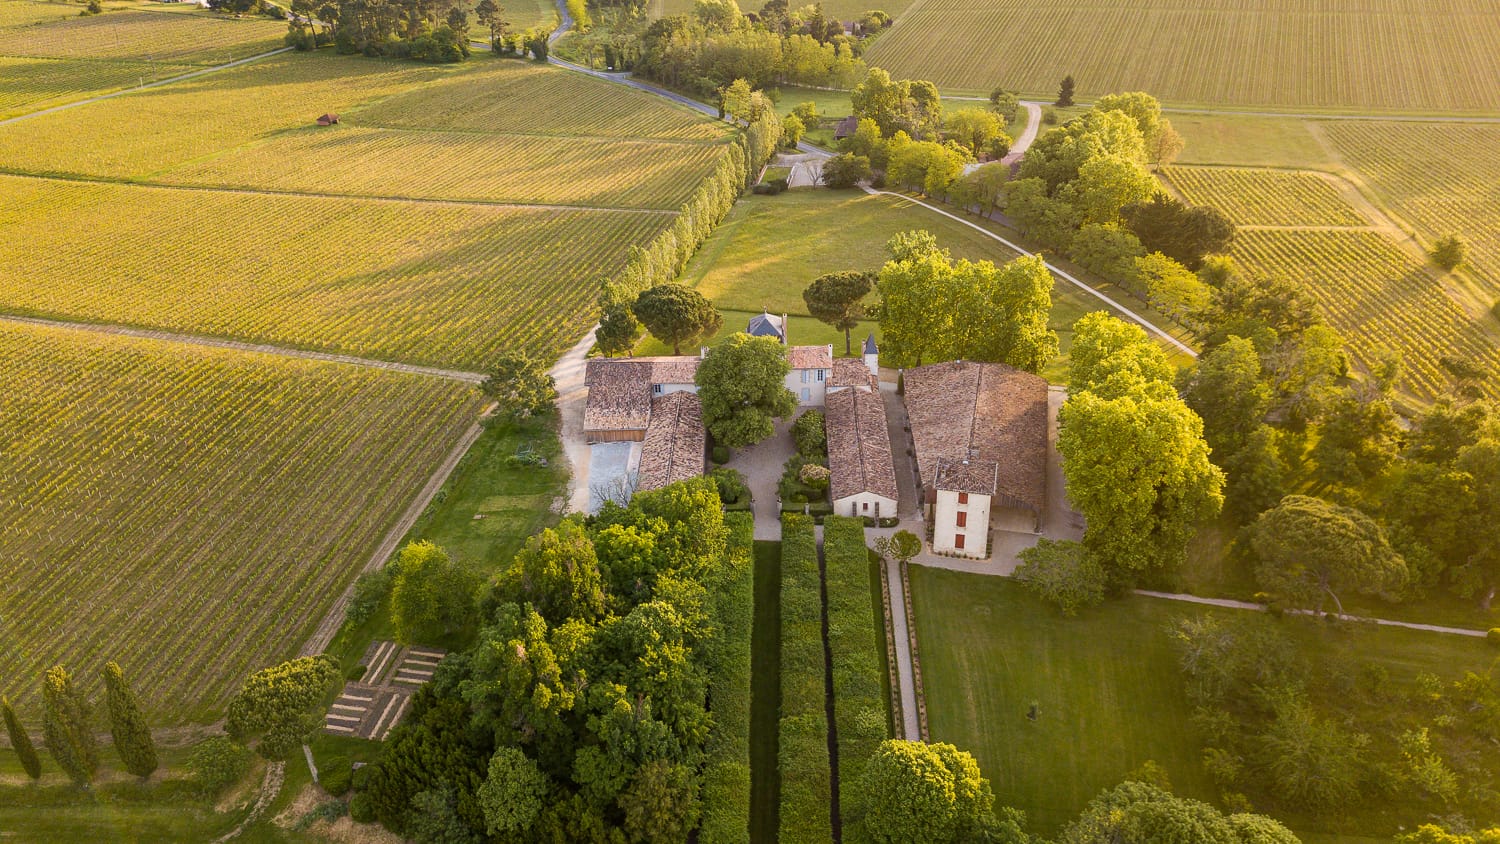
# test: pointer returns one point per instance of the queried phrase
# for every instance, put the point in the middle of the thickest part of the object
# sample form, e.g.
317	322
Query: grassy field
1241	141
440	284
1337	54
1378	295
191	512
1108	690
1266	197
771	247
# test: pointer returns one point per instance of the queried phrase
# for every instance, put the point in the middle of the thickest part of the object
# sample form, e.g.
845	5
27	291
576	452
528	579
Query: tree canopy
282	705
742	384
1310	549
675	314
432	597
520	386
838	299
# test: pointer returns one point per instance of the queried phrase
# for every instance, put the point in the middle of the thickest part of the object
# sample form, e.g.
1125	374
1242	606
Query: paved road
193	75
259	348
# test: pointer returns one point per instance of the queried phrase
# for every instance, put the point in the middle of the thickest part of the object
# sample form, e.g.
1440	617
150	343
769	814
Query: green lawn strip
1245	141
806	790
1107	686
765	694
726	775
856	641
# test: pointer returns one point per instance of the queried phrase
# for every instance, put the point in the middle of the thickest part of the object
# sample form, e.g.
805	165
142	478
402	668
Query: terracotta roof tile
810	357
859	445
981	412
620	389
675	441
852	372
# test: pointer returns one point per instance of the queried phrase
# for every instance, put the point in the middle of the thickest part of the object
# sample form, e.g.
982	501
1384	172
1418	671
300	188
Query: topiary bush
731	484
719	454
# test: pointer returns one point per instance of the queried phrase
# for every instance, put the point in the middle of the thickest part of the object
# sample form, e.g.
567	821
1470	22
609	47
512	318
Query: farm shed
328	119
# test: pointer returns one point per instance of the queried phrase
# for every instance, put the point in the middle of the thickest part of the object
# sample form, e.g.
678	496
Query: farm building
846	128
675	445
621	390
979	432
328	119
863	476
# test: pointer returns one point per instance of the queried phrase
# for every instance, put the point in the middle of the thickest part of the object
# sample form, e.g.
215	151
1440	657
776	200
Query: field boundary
242	346
329	626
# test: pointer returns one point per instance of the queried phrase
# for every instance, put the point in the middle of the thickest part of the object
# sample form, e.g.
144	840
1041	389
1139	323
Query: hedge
803	760
854	638
726	773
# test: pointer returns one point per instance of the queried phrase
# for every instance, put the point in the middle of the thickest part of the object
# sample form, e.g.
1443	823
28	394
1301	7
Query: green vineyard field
445	284
1376	295
1442	178
462	166
1266	197
189	512
145	35
32	84
1349	54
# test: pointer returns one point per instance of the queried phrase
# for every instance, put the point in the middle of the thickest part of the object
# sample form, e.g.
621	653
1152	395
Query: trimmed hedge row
726	774
803	760
859	704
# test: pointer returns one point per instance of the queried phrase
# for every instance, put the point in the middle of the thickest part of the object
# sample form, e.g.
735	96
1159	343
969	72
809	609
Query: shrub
810	435
719	454
1494	635
1449	252
845	170
370	591
362	808
803	755
814	476
726	771
334	775
1049	117
731	484
218	763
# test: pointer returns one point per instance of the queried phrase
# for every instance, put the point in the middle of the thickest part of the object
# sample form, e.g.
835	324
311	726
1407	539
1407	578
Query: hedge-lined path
762	464
911	728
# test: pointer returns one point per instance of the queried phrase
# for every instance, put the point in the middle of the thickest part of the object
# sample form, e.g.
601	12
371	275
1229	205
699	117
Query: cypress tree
65	726
1065	93
126	724
20	741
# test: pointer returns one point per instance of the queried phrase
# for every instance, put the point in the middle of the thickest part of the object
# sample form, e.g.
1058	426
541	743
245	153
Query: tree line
68	728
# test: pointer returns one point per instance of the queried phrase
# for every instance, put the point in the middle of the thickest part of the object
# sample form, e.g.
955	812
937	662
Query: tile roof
859	445
976	476
981	412
620	389
852	372
767	325
675	442
810	357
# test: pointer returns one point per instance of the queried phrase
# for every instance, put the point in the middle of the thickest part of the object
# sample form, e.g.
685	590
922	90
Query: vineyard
1266	197
1352	54
191	512
438	283
1441	178
145	35
1377	296
463	166
138	134
525	97
32	84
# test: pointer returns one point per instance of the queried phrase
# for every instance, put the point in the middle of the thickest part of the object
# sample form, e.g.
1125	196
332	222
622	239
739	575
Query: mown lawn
765	694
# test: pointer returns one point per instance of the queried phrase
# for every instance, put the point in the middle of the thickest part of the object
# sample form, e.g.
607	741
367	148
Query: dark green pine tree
1065	93
65	727
126	724
20	741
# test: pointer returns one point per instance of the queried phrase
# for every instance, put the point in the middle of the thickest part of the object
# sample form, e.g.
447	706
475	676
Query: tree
20	742
1173	289
432	597
1313	762
520	385
1163	147
918	793
513	793
977	130
217	763
557	572
742	384
127	726
900	546
1309	548
1105	347
1225	387
810	435
1138	812
492	15
736	100
1357	440
1105	185
792	129
1449	252
838	299
661	804
1005	103
1182	233
618	330
983	187
1060	573
283	704
845	170
807	112
66	729
1065	93
676	314
1142	108
1256	473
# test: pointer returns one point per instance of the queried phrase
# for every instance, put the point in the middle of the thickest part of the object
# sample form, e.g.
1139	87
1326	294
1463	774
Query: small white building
811	368
862	478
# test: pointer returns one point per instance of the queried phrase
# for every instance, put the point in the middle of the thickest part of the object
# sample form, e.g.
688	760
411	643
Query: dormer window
656	388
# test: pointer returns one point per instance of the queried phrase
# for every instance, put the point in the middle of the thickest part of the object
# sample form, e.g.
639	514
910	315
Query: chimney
786	331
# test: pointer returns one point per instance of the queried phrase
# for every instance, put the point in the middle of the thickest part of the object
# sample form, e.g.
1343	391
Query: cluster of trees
68	728
1136	462
1314	730
426	30
580	711
904	137
933	309
707	50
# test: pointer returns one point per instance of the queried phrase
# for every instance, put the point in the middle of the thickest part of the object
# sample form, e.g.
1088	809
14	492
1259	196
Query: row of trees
68	729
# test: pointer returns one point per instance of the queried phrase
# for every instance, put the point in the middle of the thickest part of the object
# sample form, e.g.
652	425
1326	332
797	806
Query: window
963	498
806	394
804	375
963	518
958	541
656	388
867	506
820	375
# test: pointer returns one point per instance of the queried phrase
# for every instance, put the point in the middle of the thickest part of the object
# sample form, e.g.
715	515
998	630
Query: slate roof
852	372
869	347
846	127
859	445
981	412
675	442
767	325
620	389
810	357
